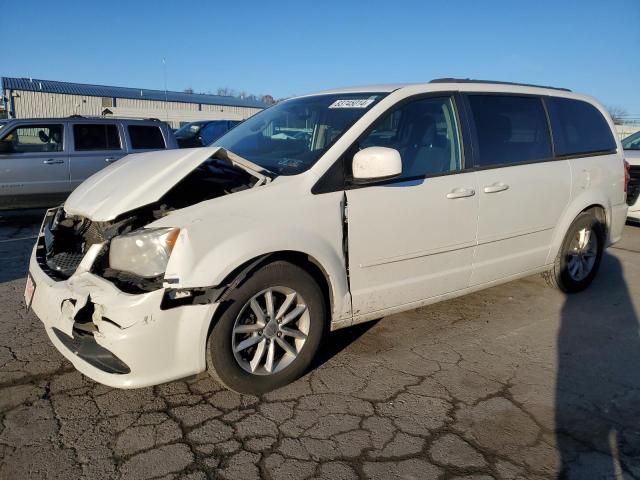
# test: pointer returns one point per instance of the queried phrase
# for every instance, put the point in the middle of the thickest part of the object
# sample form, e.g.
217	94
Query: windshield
291	136
190	130
632	142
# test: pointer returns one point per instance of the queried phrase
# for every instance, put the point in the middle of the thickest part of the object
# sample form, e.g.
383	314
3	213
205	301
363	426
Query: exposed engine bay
67	238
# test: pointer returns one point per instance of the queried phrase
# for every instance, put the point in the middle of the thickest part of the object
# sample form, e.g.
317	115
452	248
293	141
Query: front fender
206	252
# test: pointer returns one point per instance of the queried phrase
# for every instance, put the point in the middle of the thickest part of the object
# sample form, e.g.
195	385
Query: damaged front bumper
119	339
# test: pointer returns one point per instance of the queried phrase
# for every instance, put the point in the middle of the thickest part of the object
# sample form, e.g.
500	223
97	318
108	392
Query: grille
63	244
633	190
65	262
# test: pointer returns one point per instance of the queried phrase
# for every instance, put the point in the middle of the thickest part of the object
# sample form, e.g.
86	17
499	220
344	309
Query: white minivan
318	213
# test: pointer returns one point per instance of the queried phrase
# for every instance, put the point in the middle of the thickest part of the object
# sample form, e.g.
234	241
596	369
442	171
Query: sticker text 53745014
352	103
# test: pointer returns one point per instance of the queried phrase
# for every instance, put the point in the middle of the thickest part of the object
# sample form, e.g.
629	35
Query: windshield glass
190	130
632	142
291	136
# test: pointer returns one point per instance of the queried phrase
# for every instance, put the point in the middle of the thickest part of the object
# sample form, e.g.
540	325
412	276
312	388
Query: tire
564	274
238	324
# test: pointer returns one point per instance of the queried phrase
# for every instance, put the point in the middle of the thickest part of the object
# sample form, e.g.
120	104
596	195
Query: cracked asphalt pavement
515	382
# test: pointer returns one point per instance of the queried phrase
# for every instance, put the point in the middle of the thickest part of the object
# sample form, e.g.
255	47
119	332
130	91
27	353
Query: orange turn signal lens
172	238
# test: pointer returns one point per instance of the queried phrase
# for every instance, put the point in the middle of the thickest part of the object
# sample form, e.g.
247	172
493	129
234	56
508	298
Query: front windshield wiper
263	175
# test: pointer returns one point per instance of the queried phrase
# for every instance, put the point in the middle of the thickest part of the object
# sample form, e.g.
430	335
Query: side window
36	139
578	127
425	132
146	137
632	142
90	136
510	129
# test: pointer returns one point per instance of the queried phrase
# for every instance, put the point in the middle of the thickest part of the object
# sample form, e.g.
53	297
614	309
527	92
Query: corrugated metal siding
38	105
28	104
149	104
68	88
174	117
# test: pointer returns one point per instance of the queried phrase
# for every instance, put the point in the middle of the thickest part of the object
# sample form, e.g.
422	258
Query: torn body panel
155	345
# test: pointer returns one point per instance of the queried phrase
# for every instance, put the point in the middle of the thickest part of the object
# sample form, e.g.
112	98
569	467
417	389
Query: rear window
510	129
89	137
578	128
146	137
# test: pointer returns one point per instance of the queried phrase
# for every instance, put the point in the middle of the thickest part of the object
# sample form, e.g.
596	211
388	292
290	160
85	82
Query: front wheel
269	330
580	254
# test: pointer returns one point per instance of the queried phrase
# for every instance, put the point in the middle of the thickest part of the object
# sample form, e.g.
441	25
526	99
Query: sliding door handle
460	193
53	161
495	188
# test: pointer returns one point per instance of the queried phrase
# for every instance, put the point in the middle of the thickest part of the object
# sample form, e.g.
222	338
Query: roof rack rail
470	80
110	116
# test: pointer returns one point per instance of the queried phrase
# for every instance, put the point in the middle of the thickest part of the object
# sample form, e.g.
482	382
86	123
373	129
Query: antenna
166	102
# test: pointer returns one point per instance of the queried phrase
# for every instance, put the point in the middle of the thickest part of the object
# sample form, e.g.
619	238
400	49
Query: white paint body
633	157
408	244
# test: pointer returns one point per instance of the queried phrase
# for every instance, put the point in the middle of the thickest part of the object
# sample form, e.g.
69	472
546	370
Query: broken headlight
144	252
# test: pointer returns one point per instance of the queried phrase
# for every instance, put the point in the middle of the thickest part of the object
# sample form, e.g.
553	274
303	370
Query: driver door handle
461	193
53	161
109	159
496	187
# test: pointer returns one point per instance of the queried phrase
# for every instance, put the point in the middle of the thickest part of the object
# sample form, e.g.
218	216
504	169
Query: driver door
35	170
413	238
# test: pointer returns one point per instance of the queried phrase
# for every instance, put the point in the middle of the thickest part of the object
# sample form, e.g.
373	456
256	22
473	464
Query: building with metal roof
30	97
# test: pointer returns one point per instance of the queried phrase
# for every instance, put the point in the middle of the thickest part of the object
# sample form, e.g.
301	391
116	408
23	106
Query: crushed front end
114	326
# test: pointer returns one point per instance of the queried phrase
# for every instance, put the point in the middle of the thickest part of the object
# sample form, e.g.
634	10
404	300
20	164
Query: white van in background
631	147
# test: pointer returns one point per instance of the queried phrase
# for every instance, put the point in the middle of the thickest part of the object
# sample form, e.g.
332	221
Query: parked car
43	160
631	147
204	133
238	258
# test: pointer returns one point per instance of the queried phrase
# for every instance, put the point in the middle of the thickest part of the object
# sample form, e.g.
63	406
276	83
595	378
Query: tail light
627	175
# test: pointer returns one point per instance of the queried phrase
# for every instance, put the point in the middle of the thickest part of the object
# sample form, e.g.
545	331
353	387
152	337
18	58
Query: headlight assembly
144	252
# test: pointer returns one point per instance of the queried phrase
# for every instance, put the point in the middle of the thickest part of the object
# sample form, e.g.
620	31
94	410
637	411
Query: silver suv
43	160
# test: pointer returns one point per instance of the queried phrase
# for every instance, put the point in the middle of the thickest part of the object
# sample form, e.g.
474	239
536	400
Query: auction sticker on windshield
353	103
29	290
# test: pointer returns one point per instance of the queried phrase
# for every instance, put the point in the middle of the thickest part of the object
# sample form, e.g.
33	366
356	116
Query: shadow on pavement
337	341
597	406
18	229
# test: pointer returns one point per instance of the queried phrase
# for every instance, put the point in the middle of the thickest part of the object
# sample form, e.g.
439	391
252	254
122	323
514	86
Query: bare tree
227	92
231	92
268	100
618	114
188	90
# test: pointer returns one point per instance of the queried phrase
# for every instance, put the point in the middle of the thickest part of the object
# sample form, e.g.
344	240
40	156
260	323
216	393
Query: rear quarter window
578	128
146	137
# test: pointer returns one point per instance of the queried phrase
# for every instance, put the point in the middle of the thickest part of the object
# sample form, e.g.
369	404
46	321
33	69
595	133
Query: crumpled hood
132	182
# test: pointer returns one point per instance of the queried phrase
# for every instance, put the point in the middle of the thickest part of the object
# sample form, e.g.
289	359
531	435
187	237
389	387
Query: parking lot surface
515	382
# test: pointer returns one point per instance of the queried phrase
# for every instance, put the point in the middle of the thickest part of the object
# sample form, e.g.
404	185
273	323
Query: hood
134	181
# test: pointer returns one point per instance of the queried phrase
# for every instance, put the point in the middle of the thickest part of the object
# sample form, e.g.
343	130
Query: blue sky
285	48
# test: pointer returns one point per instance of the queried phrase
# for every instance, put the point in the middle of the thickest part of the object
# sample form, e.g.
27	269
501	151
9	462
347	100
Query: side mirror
376	163
6	146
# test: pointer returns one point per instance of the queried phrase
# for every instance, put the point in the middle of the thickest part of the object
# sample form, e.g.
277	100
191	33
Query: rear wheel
579	257
269	330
